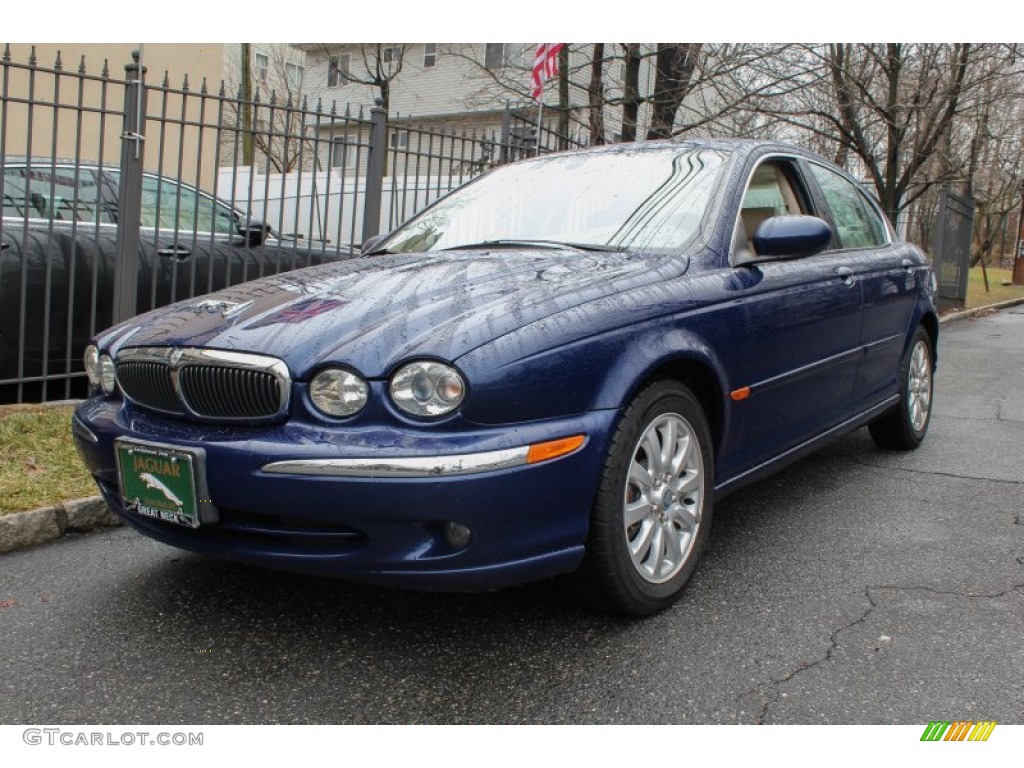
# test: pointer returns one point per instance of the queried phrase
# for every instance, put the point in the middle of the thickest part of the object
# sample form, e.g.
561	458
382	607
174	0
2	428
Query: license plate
158	482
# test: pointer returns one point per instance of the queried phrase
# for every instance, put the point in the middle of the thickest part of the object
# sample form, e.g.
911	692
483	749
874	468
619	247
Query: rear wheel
905	427
652	512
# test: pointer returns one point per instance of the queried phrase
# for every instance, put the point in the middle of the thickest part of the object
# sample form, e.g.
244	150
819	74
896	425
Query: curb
974	312
19	530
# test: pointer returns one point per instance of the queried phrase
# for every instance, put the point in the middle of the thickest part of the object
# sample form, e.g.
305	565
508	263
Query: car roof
737	146
50	161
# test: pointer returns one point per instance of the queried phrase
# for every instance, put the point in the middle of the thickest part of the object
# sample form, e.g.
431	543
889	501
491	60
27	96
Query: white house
461	86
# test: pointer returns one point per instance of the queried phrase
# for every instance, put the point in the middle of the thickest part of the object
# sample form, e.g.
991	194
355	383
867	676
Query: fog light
457	534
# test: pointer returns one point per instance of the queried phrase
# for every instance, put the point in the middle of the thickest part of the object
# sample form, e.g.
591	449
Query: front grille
207	385
229	392
149	385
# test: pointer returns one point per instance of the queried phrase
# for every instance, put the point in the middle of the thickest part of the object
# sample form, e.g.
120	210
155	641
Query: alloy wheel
664	498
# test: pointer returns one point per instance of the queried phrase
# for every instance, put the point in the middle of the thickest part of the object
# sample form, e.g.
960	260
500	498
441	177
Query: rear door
888	276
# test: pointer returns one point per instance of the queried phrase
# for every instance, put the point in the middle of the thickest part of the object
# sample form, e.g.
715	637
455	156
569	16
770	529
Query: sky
466	21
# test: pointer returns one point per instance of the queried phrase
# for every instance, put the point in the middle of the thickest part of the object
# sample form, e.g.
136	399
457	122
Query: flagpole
540	114
544	67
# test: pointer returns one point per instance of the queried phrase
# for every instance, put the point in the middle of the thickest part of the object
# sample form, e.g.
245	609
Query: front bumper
281	500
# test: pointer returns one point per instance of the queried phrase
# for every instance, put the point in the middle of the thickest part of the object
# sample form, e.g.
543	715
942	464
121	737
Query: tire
648	529
905	426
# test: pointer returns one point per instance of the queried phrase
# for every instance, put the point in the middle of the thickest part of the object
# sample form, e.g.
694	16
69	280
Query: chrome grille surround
211	385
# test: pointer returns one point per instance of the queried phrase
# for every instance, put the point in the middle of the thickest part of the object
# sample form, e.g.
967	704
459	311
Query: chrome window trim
176	358
404	466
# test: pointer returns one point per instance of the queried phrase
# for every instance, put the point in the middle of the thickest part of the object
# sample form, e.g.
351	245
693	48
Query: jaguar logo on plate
158	483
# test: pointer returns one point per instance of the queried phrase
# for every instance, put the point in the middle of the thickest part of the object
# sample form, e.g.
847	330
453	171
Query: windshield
645	200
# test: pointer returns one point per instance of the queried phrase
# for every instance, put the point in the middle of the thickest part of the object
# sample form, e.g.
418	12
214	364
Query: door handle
846	275
178	252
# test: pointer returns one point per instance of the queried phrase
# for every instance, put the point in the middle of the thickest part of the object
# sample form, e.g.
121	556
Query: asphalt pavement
858	586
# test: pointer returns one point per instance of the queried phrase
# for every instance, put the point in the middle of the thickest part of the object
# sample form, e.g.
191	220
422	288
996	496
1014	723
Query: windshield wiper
535	244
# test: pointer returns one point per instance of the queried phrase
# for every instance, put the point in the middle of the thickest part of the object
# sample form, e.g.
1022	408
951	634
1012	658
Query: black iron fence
951	249
120	196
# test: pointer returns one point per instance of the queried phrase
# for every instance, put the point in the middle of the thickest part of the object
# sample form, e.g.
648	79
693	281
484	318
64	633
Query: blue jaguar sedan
556	369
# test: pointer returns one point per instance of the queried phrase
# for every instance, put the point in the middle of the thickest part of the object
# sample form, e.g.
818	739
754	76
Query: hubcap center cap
662	497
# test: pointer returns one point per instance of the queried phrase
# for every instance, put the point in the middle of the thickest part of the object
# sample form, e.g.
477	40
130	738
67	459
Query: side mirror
253	232
371	242
791	237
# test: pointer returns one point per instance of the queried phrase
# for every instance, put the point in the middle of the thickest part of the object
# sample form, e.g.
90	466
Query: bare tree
676	65
890	106
377	65
994	166
696	87
596	97
631	98
268	113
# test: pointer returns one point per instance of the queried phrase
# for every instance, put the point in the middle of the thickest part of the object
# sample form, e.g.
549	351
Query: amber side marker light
552	449
740	394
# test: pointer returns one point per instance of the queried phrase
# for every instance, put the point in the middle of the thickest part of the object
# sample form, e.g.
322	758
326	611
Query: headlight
92	365
426	388
108	376
336	392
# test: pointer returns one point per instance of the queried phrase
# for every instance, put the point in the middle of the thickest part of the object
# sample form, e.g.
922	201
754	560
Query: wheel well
931	325
701	380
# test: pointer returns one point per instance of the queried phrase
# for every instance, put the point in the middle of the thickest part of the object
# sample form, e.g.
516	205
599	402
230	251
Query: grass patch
976	295
39	465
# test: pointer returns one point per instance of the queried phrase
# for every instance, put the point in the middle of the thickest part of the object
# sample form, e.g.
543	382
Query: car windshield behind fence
643	200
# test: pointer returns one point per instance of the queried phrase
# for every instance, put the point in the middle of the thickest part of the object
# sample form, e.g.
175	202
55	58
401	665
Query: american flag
545	66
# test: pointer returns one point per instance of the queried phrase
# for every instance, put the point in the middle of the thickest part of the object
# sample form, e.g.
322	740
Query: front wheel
905	427
652	512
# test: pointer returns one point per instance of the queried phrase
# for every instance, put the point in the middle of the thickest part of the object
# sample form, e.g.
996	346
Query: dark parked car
556	369
57	243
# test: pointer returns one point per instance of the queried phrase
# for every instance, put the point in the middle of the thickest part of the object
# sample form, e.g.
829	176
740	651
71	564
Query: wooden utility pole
246	106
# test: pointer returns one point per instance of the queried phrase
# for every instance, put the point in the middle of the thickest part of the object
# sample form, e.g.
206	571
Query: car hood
372	313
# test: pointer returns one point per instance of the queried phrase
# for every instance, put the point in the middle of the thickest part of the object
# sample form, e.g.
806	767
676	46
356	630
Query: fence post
506	132
129	212
377	154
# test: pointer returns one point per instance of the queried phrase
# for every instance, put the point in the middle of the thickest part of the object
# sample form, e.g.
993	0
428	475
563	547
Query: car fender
924	314
601	372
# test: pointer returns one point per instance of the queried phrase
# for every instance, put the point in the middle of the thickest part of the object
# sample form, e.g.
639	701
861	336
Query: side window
16	201
769	193
53	193
181	208
224	220
160	204
858	224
